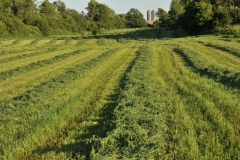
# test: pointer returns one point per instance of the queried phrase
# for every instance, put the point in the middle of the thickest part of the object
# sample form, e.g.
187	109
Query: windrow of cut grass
228	46
43	45
201	114
222	74
51	54
139	125
97	100
214	56
39	64
197	117
28	80
20	109
123	95
224	48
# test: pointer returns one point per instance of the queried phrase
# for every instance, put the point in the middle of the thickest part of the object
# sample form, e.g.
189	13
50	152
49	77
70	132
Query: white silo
148	15
153	15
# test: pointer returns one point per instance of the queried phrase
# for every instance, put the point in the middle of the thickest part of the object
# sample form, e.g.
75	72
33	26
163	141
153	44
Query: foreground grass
120	96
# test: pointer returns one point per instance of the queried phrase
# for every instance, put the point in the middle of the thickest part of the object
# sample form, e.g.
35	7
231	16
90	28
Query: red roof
151	23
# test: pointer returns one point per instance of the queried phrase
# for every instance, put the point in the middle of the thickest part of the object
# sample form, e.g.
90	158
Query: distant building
153	15
148	15
150	23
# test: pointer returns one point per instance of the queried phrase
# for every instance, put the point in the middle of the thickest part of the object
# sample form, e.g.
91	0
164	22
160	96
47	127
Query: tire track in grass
30	79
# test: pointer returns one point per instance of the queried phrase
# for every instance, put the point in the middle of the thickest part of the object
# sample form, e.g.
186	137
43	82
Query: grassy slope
119	96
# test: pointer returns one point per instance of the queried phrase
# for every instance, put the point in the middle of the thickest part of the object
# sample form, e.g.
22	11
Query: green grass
127	94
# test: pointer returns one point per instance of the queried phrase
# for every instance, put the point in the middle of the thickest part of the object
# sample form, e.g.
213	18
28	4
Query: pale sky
121	6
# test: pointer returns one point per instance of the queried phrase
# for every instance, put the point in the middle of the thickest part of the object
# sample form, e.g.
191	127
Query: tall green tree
61	6
176	10
163	17
198	16
222	17
135	18
92	9
47	8
24	9
103	16
5	9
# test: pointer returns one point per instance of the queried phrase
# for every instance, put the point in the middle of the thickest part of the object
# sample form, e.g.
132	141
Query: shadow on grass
146	33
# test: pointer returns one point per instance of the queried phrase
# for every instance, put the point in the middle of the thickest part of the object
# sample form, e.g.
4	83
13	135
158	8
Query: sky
121	6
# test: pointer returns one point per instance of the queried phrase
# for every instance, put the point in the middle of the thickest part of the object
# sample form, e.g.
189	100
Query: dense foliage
29	18
199	16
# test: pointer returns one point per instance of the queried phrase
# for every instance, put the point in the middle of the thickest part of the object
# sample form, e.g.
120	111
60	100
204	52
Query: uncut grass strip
39	64
26	81
103	100
83	95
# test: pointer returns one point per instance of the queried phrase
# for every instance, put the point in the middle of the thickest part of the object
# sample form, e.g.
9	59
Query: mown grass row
213	110
97	100
38	64
201	114
124	103
28	60
197	118
224	48
37	44
223	75
28	80
30	106
139	126
211	55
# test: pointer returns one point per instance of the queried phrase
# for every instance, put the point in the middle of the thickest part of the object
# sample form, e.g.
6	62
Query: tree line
198	16
31	18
